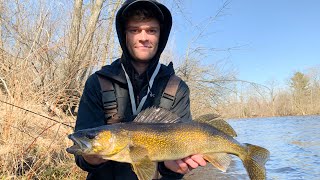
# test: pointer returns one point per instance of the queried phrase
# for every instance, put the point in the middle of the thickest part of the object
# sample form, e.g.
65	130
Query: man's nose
143	35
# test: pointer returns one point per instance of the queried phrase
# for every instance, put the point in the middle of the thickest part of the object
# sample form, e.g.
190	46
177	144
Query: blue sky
275	37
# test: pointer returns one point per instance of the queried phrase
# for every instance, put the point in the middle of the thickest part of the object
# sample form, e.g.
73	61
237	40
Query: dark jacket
91	113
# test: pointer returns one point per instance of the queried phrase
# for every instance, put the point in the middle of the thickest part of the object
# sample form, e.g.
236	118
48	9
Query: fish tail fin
254	161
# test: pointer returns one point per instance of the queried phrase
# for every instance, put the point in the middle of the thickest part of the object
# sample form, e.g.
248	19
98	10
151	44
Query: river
293	142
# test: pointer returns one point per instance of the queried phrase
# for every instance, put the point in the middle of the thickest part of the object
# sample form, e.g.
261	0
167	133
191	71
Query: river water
293	142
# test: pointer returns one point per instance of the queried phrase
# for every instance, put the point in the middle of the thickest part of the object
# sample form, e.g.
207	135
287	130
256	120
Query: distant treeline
301	96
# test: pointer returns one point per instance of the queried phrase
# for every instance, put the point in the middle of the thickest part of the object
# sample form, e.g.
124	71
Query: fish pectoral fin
137	153
219	160
145	169
142	165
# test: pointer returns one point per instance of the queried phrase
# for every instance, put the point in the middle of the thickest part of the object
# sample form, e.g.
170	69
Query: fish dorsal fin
207	117
156	115
223	126
219	124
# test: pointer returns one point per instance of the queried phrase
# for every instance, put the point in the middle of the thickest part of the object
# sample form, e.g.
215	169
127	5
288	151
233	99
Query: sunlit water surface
294	144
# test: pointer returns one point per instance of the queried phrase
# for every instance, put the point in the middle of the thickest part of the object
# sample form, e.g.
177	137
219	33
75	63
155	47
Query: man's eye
152	31
134	31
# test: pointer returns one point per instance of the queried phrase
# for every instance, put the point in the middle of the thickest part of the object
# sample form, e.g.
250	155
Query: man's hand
94	159
184	165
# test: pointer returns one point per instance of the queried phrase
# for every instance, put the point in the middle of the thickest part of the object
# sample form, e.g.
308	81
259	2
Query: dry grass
32	147
44	62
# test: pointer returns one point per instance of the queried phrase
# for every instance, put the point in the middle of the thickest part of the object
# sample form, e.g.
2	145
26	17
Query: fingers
198	158
184	165
177	166
195	160
193	164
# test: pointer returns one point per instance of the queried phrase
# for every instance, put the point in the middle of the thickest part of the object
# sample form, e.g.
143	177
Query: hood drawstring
149	88
135	109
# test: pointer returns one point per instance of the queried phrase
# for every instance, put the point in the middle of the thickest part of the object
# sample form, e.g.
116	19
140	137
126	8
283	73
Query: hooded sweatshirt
165	28
91	112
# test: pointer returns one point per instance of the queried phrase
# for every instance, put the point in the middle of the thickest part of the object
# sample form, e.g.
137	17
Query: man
143	28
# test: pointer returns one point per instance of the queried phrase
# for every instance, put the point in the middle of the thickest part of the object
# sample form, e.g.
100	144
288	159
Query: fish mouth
80	145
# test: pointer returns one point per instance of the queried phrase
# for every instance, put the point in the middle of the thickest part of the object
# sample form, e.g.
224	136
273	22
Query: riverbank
32	147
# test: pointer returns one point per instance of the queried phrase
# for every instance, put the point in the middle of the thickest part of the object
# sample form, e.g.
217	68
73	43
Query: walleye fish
156	135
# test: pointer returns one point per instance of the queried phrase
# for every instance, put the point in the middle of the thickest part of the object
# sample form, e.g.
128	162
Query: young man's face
142	38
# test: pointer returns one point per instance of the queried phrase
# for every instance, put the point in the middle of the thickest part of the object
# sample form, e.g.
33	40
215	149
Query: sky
273	38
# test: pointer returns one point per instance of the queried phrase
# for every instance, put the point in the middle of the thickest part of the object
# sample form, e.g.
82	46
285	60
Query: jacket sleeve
90	114
88	167
181	107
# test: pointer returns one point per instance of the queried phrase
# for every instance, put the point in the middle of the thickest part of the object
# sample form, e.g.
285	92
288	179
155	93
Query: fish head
92	141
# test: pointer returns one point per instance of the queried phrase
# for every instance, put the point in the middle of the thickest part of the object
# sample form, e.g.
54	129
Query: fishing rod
37	114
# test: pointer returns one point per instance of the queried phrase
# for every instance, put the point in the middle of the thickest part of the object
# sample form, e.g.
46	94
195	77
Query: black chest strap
110	104
169	93
109	101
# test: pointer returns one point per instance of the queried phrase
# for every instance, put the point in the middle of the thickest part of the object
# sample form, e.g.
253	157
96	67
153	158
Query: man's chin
142	60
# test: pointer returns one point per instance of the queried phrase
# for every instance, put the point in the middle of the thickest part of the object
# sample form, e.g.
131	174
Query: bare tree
300	86
109	44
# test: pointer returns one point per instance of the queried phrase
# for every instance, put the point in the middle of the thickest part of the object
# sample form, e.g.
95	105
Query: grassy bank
32	147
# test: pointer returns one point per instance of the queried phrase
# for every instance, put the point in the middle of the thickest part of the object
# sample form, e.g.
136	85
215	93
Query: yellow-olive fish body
145	144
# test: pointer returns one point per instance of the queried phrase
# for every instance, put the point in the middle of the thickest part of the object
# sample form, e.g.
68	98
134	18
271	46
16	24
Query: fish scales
171	141
179	140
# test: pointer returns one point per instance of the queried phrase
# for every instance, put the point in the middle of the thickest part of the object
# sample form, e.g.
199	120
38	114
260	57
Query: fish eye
91	135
